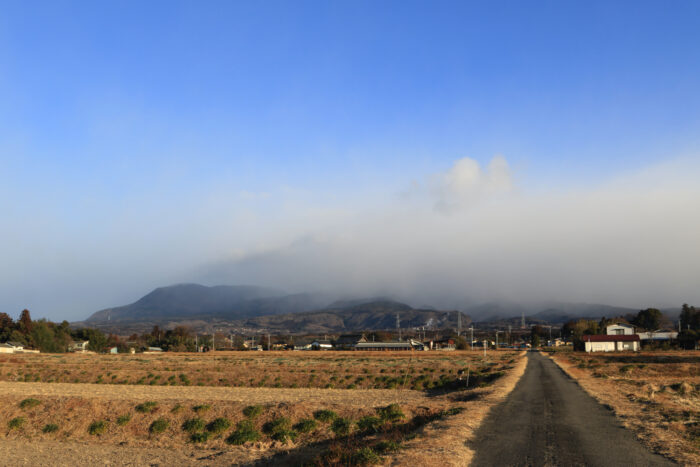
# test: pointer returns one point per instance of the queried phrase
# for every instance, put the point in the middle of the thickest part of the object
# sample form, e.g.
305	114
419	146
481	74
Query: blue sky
123	124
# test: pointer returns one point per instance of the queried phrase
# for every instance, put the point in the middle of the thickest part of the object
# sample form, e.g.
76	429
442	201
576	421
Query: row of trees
48	336
690	326
42	334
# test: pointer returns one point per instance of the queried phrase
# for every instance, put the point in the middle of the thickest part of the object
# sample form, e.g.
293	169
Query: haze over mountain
194	301
253	307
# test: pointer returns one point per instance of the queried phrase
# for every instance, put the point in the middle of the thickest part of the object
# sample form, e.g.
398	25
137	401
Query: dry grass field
327	370
656	394
322	408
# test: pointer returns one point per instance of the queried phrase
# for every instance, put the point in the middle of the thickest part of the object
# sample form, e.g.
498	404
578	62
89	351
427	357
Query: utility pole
269	347
472	342
398	326
459	323
497	339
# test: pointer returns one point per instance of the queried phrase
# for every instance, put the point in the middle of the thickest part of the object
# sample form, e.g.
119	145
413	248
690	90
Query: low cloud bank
466	235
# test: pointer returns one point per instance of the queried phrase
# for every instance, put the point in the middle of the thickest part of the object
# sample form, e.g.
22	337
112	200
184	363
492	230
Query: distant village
645	331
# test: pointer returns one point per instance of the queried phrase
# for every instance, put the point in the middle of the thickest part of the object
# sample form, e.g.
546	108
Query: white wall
616	329
611	346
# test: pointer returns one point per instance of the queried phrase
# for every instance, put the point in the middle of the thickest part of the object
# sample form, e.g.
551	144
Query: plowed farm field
236	408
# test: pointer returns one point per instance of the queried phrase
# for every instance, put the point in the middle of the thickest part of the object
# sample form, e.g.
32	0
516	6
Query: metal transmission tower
398	325
459	323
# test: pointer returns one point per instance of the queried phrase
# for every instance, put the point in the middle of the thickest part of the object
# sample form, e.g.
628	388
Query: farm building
79	346
611	343
619	329
321	345
11	347
392	346
347	341
658	335
6	348
441	344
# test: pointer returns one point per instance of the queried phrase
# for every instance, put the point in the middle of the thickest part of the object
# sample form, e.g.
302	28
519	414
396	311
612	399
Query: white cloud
631	242
466	183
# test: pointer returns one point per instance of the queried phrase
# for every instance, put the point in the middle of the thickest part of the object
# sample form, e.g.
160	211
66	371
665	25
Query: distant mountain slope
194	301
547	313
357	316
253	308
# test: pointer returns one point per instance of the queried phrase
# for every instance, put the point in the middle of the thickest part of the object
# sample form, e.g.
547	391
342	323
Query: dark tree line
690	326
42	334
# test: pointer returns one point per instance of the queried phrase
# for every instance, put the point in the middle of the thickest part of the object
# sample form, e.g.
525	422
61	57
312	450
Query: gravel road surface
548	420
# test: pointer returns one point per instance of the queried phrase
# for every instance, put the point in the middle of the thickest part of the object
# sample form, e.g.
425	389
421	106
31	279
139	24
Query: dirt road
548	420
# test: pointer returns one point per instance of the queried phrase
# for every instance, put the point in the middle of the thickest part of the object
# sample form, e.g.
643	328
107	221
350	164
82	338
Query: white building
619	329
611	343
79	346
658	335
6	348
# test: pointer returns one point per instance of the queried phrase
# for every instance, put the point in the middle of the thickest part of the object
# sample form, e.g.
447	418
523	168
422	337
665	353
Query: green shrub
193	425
147	407
279	429
50	428
218	425
123	419
29	403
391	413
201	408
97	427
325	415
244	432
176	408
159	426
363	456
341	426
305	425
370	424
200	437
253	411
386	446
452	411
15	423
